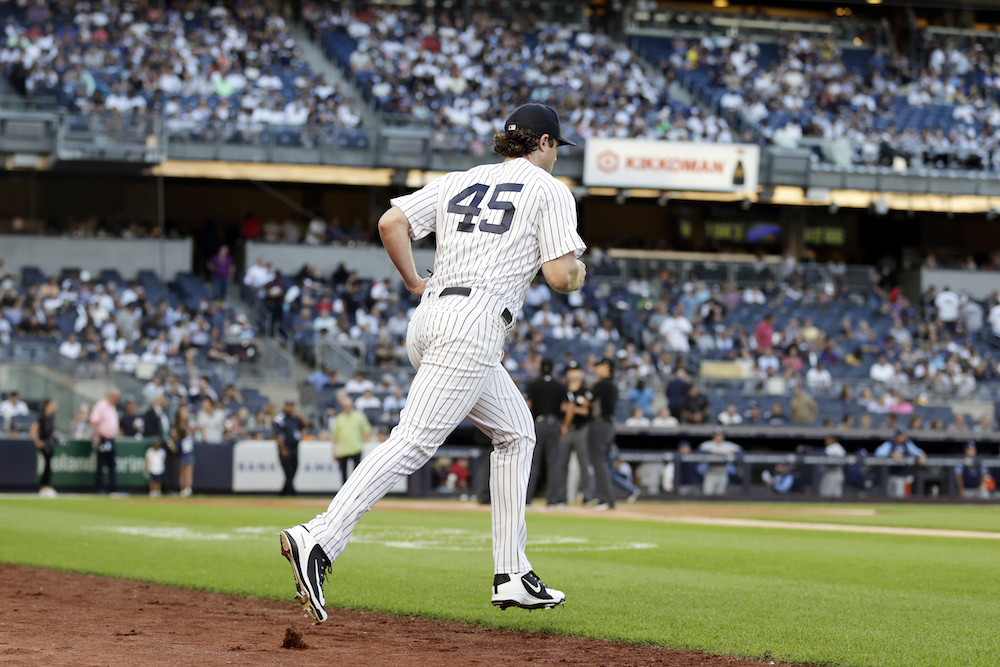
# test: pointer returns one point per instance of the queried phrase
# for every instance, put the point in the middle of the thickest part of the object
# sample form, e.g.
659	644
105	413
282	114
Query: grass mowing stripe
828	598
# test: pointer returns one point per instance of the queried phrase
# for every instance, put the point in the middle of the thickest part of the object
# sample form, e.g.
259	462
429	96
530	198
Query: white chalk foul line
827	527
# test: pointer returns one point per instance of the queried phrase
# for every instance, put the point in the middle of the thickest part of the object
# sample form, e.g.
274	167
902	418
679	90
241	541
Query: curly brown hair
517	143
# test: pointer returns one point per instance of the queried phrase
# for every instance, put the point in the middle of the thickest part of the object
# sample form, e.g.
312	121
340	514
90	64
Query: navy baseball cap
537	118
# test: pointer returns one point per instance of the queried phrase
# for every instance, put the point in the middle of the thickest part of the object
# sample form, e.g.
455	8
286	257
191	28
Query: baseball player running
496	226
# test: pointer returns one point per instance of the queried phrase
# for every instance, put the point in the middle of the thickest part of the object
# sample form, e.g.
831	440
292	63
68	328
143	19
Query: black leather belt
505	314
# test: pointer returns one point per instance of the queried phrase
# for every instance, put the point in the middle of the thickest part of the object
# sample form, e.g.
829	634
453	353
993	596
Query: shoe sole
290	552
504	604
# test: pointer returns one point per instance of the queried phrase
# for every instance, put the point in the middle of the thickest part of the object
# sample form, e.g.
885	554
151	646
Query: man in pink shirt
764	332
104	421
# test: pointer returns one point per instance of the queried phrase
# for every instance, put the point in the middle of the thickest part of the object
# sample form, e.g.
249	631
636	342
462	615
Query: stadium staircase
321	64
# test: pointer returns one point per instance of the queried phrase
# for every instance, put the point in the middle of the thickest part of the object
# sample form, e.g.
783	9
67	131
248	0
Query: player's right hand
418	289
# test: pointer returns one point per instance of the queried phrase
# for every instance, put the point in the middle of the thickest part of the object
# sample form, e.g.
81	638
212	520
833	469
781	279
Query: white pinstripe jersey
496	225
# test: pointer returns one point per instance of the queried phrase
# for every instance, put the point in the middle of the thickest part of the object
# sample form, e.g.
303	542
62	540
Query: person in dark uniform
545	395
601	433
156	426
576	417
43	435
131	424
971	475
288	426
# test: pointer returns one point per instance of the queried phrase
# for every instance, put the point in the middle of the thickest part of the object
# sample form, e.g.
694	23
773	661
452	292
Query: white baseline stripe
826	527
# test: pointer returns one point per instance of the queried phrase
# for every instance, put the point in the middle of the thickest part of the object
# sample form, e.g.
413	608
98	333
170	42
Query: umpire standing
576	416
601	434
545	395
288	426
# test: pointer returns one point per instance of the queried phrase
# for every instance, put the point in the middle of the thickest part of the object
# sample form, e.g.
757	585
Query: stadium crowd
109	324
462	77
873	353
943	110
190	62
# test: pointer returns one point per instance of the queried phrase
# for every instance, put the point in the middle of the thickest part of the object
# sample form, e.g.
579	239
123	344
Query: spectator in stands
676	330
259	274
71	348
984	425
730	416
12	407
348	432
638	418
696	407
763	333
768	362
222	270
368	401
544	319
210	422
677	391
359	384
752	414
958	425
776	416
882	371
971	477
716	474
819	379
641	397
948	304
664	419
203	389
393	405
831	483
804	407
897	449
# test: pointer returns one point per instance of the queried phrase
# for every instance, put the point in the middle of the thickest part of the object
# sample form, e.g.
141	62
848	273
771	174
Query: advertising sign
257	468
74	464
671	165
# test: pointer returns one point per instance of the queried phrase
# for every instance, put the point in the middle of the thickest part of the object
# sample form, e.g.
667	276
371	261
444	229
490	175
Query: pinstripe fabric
496	225
544	227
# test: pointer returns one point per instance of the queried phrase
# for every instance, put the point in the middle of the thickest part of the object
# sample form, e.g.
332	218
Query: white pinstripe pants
456	345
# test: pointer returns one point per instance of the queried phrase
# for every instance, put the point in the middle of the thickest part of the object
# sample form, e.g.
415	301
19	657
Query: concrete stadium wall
368	262
978	284
53	253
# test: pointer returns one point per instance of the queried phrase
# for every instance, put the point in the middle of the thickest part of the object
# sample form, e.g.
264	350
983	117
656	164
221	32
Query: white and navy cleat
524	590
309	567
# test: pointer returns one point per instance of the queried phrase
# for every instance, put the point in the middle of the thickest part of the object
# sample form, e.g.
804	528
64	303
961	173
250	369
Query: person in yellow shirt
350	428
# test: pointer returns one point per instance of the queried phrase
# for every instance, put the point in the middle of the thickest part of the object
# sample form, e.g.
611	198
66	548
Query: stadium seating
241	67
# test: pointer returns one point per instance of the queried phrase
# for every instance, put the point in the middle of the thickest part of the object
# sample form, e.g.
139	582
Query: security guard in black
545	396
601	434
287	427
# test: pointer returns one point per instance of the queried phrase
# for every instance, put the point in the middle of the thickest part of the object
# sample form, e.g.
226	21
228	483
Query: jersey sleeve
420	208
557	233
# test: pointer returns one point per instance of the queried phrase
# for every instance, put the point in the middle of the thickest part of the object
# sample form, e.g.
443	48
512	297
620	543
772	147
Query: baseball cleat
525	591
309	567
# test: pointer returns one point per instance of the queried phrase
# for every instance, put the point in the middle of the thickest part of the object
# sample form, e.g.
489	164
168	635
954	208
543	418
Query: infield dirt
57	618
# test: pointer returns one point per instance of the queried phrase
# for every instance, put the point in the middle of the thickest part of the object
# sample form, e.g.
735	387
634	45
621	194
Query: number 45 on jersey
466	203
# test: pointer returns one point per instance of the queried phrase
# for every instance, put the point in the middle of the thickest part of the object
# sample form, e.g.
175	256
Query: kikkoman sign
671	165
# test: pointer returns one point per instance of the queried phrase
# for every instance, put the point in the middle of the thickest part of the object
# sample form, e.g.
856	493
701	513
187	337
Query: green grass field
805	596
